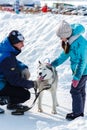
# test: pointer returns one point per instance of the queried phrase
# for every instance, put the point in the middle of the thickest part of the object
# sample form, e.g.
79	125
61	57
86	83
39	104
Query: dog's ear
39	62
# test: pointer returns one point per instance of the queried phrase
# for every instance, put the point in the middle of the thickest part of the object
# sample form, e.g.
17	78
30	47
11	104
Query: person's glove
48	64
25	73
75	83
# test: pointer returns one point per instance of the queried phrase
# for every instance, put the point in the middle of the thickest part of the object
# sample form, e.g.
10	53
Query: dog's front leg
54	102
40	102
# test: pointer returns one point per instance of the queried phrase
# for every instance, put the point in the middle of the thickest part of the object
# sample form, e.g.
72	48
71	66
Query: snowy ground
41	42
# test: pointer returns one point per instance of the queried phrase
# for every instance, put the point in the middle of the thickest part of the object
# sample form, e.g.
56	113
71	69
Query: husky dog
47	77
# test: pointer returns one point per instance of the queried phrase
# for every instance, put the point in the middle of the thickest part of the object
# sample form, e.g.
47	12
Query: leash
37	95
21	112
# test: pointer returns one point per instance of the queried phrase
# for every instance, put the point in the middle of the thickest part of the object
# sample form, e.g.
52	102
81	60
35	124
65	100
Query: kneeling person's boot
1	111
17	106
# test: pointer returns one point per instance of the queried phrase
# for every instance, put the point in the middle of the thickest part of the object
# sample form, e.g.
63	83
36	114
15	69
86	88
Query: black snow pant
15	94
79	96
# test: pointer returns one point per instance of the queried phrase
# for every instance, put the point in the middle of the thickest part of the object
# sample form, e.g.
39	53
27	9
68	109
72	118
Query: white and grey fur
47	77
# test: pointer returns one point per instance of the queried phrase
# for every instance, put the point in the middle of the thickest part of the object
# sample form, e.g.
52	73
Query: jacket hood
5	46
77	29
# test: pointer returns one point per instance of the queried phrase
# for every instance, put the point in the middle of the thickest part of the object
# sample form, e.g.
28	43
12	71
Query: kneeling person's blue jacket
10	67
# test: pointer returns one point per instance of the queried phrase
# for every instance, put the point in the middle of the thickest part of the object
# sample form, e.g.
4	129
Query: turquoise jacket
77	54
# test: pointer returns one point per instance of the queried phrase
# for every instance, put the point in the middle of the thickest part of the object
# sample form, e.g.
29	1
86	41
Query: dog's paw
40	110
54	112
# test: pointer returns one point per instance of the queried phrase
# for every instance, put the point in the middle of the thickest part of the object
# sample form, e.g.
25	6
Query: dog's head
45	71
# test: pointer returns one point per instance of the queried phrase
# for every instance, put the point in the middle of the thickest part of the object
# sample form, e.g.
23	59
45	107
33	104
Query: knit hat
64	30
15	37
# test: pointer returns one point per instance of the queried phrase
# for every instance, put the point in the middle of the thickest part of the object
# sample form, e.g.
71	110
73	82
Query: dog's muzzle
41	77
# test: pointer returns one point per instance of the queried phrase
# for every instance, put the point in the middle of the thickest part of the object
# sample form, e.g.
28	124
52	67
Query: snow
41	42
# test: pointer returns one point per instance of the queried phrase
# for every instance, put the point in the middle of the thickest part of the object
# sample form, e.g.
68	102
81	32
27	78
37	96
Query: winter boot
72	116
1	111
17	106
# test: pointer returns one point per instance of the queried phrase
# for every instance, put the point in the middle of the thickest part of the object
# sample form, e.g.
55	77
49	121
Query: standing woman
75	48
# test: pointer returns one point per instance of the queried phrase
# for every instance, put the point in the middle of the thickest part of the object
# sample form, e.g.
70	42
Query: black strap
37	95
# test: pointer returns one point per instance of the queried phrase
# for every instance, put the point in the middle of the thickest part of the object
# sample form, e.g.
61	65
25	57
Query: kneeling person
14	74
